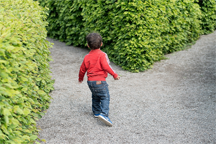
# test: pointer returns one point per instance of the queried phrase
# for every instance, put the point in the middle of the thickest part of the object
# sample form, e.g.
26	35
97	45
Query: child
96	63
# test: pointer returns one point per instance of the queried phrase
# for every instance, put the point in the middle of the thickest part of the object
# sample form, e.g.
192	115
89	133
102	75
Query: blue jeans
100	97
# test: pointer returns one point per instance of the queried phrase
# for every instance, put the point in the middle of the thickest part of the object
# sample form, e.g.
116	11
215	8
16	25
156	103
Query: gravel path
173	103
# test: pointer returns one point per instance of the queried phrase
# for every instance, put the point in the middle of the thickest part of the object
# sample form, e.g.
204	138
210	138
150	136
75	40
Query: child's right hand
117	78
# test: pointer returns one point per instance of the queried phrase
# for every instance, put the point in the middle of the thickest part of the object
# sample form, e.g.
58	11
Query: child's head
94	41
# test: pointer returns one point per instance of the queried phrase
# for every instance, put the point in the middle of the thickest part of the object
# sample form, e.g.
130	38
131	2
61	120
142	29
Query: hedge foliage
208	8
136	33
25	80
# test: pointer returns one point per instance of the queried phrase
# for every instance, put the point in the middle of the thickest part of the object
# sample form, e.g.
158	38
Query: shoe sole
96	116
105	121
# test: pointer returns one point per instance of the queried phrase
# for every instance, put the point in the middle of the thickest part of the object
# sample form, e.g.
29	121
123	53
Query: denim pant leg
100	97
105	100
96	108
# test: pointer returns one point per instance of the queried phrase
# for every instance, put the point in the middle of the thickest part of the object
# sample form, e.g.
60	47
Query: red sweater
96	63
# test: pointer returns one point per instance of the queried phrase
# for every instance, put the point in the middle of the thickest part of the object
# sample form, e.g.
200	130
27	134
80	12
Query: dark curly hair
94	40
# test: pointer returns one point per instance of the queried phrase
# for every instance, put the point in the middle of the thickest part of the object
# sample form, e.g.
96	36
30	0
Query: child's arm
82	72
105	65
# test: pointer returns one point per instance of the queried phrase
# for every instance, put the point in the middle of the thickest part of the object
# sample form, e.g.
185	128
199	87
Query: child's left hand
80	81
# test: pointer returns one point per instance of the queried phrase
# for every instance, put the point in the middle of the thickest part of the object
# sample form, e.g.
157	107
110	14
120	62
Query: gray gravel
173	103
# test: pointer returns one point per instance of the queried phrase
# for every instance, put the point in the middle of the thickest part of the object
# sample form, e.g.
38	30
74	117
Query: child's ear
87	45
101	44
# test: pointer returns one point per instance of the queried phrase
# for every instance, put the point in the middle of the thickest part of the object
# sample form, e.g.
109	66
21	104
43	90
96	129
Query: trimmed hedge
208	8
65	21
136	33
25	80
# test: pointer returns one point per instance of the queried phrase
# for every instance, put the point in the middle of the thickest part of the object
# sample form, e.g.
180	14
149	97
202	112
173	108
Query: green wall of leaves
208	8
25	80
136	33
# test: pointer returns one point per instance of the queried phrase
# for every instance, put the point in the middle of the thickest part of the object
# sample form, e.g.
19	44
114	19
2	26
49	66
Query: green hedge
25	80
208	19
136	33
65	21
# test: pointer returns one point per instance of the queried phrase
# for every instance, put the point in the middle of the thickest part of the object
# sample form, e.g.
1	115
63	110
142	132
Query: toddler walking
96	63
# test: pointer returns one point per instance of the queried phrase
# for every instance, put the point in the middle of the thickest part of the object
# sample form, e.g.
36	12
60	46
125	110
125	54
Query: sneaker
105	119
96	115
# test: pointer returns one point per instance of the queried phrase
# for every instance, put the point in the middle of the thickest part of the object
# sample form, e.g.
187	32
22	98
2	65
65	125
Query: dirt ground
172	103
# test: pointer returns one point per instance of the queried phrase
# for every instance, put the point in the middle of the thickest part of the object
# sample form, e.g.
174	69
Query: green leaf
25	137
15	122
18	110
26	111
33	137
6	120
6	112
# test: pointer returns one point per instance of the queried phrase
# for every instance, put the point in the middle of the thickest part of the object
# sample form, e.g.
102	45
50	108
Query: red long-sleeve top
96	63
